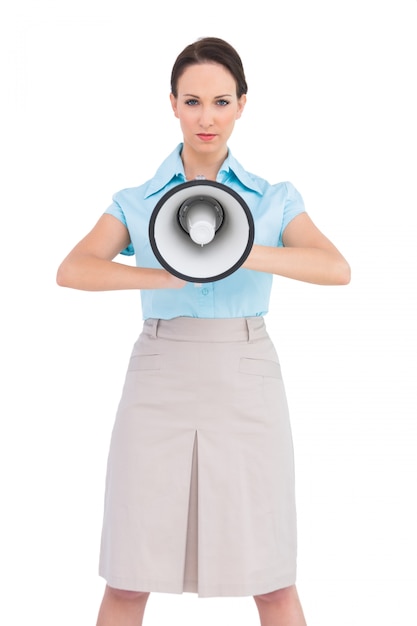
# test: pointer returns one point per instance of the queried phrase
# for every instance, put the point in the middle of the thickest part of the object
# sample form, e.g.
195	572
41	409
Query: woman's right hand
174	283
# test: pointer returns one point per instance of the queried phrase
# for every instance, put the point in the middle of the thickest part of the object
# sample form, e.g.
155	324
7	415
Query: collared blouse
245	293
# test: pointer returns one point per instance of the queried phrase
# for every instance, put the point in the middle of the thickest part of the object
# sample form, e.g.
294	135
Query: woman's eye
222	102
191	102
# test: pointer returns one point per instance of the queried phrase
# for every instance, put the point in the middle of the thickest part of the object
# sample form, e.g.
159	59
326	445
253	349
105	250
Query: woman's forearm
311	265
90	273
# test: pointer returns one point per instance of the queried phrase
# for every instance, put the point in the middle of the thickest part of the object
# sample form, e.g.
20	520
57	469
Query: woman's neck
198	165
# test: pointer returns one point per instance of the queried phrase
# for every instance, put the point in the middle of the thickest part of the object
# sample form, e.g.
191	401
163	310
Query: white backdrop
85	112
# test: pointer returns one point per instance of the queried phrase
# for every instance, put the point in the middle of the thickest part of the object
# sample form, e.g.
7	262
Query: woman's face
207	107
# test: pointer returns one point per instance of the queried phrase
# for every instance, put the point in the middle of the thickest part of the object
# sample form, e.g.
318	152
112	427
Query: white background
332	108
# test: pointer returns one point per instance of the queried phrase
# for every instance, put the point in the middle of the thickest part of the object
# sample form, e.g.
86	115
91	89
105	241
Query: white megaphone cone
201	231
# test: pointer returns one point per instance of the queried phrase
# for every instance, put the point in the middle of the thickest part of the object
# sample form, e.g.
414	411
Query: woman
200	481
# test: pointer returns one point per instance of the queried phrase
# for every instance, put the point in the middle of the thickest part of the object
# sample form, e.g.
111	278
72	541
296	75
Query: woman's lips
205	137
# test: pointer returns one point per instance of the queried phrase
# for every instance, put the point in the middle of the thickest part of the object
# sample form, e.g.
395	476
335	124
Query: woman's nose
206	117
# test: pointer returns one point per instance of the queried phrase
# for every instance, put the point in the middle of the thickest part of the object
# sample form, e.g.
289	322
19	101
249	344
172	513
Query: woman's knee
127	596
277	596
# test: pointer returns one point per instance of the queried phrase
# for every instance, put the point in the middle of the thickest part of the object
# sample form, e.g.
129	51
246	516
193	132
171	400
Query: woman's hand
307	255
173	282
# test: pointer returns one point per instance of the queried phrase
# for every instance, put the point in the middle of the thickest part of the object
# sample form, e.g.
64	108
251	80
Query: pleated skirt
200	478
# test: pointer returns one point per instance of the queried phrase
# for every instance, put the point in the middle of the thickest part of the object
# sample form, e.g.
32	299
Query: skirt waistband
206	330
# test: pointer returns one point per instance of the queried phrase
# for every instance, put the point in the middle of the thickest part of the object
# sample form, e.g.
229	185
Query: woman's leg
280	608
122	608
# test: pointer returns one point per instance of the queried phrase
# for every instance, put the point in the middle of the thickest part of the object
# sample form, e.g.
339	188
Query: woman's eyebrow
191	95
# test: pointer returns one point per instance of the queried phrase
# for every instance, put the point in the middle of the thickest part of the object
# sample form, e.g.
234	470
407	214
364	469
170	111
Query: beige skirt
200	480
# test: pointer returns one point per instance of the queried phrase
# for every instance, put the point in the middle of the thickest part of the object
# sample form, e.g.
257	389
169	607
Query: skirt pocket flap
260	367
145	362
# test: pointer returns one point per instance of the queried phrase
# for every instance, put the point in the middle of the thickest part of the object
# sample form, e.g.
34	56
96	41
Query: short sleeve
116	210
294	205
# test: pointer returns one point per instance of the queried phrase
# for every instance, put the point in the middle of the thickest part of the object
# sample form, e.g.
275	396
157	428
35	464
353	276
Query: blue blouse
245	293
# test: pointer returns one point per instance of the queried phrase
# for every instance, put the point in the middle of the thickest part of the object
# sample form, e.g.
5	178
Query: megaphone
201	231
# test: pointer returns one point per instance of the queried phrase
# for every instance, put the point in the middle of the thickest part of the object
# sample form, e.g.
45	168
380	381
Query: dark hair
211	50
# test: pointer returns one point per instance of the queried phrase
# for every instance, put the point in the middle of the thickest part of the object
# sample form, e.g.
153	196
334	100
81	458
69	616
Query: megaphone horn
201	231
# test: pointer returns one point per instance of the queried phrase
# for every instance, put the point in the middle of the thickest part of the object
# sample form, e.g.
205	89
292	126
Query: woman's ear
240	105
174	104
